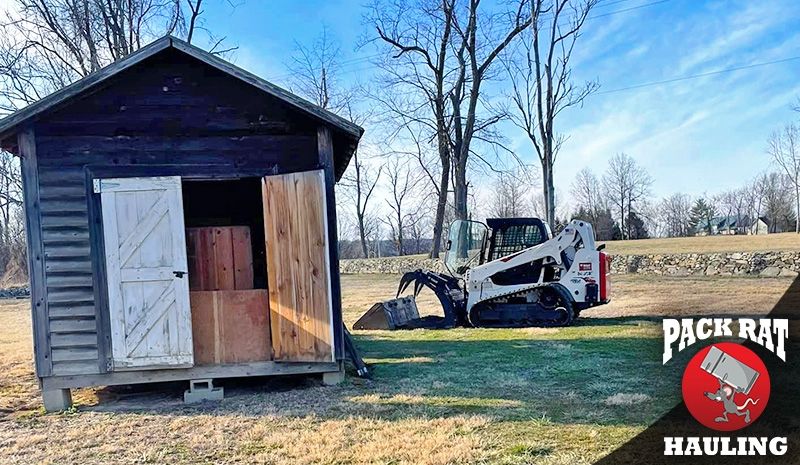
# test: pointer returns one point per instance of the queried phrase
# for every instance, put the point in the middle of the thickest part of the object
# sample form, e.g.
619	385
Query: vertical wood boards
230	326
298	267
149	311
220	258
36	266
326	158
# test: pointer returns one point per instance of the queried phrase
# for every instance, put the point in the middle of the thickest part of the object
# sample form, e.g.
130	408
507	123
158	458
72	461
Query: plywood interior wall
298	270
230	326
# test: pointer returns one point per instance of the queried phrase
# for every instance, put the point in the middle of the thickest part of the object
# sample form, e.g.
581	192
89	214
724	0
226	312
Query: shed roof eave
10	124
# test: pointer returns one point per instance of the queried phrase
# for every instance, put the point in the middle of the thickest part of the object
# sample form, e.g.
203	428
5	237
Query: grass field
546	396
707	244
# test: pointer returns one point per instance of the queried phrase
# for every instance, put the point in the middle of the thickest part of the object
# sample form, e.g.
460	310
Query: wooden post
326	161
36	268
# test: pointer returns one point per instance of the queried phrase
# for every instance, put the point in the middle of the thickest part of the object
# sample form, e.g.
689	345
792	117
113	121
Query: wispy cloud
689	132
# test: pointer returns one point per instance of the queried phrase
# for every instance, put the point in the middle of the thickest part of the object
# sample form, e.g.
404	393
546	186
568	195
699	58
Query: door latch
179	274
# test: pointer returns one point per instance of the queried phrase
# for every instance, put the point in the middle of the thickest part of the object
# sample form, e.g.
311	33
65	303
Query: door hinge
96	186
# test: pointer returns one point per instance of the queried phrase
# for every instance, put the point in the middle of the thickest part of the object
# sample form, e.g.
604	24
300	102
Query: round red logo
726	386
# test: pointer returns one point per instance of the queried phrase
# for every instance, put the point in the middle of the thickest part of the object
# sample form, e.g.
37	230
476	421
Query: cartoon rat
725	395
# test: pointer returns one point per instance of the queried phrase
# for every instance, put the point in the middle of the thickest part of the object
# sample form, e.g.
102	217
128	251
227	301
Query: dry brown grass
18	388
631	295
637	295
428	403
707	244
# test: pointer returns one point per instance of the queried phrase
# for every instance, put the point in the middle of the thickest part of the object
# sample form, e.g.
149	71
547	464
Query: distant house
759	226
727	225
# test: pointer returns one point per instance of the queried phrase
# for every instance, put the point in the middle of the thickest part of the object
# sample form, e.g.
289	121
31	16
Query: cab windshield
464	245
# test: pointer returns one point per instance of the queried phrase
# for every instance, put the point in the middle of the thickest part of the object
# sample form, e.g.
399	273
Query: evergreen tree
702	215
637	228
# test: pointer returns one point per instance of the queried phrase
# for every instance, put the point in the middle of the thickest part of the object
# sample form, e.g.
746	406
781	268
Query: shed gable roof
351	131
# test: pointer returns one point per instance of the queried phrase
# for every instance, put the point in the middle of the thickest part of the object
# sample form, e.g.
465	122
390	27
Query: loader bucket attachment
390	314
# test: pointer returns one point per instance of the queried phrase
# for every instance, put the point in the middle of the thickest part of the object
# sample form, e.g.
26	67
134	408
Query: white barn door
148	289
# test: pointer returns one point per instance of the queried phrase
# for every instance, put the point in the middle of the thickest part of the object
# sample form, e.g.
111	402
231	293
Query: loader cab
466	243
511	235
471	243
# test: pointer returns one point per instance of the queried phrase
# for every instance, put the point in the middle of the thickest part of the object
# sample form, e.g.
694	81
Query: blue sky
695	136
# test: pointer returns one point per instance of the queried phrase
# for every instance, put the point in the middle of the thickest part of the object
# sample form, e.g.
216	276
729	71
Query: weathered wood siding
169	115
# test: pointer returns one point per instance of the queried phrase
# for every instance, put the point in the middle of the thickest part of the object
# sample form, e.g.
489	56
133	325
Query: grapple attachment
402	313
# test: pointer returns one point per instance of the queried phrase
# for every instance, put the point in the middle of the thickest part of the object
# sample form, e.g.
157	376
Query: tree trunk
362	236
461	191
400	250
441	206
797	210
549	193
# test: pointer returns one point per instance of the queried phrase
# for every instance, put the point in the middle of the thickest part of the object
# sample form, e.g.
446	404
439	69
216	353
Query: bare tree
441	53
625	183
675	215
417	38
482	37
541	81
418	228
508	198
47	44
316	73
755	193
732	204
402	214
360	182
784	147
587	191
778	200
12	240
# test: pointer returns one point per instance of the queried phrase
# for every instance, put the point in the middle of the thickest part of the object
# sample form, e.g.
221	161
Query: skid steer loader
509	272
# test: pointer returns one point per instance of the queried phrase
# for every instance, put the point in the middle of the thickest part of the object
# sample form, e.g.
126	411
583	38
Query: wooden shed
181	224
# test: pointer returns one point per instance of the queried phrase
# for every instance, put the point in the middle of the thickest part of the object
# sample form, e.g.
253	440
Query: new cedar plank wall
169	110
297	260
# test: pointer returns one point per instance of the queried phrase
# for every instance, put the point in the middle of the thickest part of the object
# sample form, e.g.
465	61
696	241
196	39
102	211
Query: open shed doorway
226	253
227	203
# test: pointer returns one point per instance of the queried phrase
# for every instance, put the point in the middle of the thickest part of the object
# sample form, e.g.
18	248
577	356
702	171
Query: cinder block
332	378
201	390
56	400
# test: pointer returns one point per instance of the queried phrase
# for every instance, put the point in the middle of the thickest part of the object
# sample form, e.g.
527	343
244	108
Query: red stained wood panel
220	258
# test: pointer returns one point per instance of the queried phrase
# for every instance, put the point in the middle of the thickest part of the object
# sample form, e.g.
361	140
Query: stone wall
732	263
387	265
